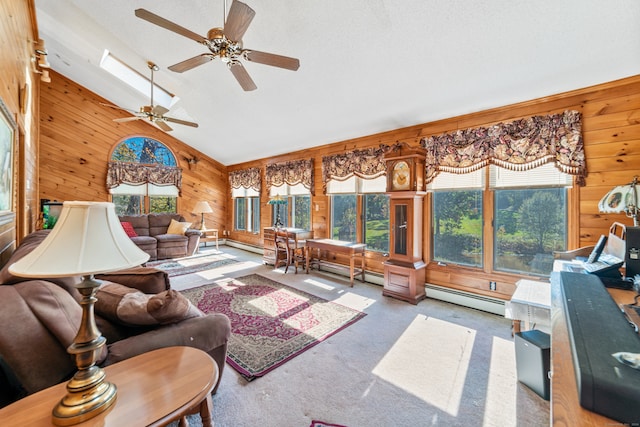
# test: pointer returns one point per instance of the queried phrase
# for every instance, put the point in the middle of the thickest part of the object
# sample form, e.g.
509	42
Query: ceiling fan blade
238	20
165	23
127	119
190	63
272	59
159	110
162	125
181	122
240	73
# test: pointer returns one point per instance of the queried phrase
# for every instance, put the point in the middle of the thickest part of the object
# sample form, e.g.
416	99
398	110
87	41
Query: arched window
143	177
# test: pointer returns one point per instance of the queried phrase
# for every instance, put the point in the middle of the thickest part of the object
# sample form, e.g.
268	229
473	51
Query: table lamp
277	200
623	198
202	208
88	239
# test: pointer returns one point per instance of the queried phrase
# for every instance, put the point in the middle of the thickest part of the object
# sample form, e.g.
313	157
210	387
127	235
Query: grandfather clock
404	271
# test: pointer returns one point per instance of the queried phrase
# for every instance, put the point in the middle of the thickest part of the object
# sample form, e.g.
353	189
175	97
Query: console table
154	389
352	250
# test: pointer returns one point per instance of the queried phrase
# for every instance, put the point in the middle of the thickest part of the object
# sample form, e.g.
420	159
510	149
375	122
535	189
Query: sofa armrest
148	280
193	237
567	255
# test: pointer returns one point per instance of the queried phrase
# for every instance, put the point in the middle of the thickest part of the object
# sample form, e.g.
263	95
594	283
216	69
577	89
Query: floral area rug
192	264
270	322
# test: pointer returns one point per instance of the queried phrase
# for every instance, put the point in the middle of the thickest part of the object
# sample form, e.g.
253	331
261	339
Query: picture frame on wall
8	135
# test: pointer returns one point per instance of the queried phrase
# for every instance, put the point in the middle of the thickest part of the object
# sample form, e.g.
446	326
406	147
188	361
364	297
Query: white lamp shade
87	239
202	207
618	199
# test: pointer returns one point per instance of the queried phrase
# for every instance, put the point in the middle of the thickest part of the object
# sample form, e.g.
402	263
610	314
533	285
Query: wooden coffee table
154	389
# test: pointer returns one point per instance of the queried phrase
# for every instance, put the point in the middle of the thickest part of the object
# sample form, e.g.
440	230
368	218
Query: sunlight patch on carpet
270	322
501	396
439	354
193	264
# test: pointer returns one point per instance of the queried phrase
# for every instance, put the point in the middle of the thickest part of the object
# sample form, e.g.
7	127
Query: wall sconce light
40	62
191	161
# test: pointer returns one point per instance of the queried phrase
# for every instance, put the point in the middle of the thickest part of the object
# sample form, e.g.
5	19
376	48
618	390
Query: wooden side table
209	235
154	389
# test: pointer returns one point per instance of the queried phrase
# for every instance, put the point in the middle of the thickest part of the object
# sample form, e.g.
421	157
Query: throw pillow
128	228
178	227
131	307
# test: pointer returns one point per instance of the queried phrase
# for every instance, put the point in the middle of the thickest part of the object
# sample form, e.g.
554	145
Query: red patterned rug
270	322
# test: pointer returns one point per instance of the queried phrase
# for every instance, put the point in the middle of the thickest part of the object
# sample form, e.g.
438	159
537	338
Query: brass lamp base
88	395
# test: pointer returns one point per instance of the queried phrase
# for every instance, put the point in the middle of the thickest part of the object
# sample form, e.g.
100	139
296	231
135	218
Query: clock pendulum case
404	271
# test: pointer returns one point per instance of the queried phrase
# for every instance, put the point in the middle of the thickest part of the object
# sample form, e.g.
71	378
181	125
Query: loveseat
159	235
40	319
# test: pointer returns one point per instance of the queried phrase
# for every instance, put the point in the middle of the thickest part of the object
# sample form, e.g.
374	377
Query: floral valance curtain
292	173
138	174
368	163
246	178
519	145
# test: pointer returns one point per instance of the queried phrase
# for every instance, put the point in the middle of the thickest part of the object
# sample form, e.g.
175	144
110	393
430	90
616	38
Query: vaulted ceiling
366	66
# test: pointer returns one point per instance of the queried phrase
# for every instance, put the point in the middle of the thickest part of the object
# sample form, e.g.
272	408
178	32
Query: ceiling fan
224	43
153	113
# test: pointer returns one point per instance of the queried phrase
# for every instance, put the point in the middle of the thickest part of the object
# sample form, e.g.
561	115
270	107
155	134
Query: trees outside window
528	214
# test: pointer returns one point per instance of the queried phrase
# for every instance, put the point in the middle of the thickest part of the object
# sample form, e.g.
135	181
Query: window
360	211
246	210
297	210
528	214
148	185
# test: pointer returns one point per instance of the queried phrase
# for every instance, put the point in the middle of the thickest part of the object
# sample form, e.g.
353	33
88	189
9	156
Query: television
50	213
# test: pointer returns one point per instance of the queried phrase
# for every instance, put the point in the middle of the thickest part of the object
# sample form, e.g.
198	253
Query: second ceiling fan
153	113
224	43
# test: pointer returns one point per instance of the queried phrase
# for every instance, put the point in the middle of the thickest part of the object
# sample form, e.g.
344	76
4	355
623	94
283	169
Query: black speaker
632	252
533	360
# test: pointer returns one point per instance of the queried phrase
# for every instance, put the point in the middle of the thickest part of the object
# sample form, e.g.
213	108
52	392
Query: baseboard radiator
454	296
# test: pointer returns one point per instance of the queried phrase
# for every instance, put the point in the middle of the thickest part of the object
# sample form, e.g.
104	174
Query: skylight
142	84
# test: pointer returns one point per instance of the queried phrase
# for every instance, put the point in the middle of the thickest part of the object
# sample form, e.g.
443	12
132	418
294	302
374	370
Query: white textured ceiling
366	66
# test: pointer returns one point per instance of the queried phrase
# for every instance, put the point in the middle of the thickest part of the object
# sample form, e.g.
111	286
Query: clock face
401	176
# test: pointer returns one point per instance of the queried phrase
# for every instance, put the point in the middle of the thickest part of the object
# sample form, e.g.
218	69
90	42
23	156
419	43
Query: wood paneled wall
611	130
77	136
19	87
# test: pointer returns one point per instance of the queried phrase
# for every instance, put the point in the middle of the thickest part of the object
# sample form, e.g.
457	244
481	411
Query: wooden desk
269	256
154	389
209	235
565	403
352	250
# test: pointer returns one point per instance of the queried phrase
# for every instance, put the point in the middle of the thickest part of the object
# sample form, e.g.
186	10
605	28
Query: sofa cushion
148	280
131	307
159	222
179	228
140	223
128	228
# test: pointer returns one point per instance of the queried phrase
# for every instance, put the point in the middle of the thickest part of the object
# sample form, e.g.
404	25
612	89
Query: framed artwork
8	135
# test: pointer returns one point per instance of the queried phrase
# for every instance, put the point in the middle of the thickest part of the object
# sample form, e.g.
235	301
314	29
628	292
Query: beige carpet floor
432	364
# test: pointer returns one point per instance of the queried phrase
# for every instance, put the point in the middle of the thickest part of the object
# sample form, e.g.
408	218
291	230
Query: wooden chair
297	250
281	246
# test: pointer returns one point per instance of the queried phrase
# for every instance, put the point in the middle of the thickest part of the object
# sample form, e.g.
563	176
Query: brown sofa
40	318
152	237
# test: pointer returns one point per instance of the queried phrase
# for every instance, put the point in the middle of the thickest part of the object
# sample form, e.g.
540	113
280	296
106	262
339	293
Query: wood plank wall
19	88
611	130
78	136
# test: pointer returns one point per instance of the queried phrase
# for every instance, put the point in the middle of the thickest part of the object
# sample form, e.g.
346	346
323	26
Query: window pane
457	227
376	223
127	204
343	217
254	214
240	213
159	204
529	225
301	212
